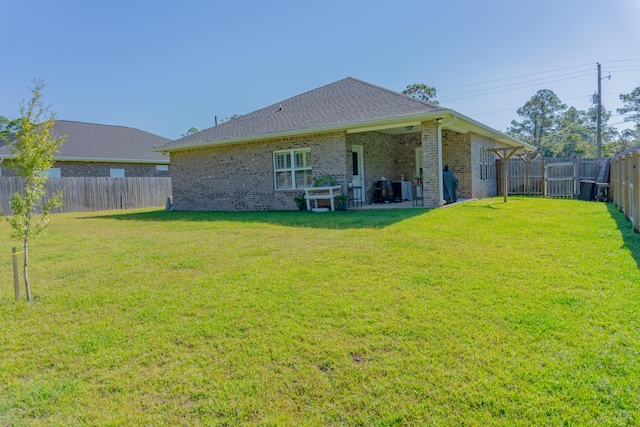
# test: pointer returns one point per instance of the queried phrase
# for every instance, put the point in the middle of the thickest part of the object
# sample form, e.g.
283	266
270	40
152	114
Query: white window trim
487	164
292	169
482	177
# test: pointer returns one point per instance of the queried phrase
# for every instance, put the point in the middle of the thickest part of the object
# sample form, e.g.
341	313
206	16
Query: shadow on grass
630	237
330	220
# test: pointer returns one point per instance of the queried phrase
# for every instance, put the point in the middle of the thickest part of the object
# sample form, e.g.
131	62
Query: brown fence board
96	194
562	178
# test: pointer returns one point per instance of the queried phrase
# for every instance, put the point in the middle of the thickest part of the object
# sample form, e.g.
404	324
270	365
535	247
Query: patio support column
431	172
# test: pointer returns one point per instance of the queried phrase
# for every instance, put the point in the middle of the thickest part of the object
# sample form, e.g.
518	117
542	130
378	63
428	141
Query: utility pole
599	123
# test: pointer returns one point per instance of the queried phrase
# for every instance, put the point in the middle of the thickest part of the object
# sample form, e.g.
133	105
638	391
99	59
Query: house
95	150
355	131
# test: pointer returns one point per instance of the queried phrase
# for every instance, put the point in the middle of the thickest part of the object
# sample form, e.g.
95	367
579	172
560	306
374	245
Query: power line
515	108
515	77
581	73
507	90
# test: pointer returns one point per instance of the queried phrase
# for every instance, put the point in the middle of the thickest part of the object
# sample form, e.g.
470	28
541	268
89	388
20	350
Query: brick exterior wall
379	150
240	177
385	155
406	155
456	153
90	169
431	173
481	188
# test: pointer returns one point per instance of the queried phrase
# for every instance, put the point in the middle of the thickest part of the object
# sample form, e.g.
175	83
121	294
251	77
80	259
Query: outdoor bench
322	193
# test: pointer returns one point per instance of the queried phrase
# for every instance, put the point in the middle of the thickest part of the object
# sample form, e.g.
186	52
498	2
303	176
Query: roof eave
98	160
361	126
497	135
351	127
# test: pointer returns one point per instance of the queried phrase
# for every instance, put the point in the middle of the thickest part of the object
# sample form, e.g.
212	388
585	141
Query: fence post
526	177
16	281
627	191
635	197
614	181
621	181
576	178
544	178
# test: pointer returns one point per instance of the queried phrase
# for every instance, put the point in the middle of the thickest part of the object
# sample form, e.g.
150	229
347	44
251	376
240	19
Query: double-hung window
292	169
487	165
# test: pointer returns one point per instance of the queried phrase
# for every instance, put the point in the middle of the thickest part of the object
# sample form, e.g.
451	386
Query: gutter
107	160
102	160
441	186
354	127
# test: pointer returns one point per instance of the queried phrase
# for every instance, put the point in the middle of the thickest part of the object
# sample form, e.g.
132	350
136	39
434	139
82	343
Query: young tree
540	118
421	91
32	147
631	103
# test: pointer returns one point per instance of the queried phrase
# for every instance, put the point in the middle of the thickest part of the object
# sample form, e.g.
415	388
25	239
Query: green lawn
480	314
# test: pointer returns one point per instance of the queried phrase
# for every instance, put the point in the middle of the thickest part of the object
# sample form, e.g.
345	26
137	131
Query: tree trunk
26	268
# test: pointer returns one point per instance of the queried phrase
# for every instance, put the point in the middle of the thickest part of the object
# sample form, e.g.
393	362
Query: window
487	165
292	169
162	168
116	173
482	172
53	173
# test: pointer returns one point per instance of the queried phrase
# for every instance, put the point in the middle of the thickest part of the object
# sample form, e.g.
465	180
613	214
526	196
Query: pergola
505	154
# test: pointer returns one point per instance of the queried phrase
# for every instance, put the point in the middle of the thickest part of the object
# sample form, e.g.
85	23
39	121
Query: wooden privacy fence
96	194
549	177
625	183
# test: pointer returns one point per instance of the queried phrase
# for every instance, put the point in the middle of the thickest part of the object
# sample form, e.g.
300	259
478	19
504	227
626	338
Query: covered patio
400	152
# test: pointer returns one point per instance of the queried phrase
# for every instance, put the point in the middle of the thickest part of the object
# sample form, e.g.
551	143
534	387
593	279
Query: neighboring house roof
348	104
90	142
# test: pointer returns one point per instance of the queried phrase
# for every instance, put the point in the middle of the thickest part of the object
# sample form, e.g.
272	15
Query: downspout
440	125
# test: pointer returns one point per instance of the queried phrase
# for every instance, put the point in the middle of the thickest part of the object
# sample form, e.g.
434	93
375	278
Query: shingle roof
346	101
90	141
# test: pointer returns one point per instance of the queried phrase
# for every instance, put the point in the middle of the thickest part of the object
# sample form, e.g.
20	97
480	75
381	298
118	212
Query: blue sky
164	67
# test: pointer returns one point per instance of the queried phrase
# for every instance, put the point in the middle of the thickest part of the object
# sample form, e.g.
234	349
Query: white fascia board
495	134
358	127
354	127
97	160
261	137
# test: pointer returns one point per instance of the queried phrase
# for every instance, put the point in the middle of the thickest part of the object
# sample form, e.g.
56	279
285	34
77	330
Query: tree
577	130
226	119
631	103
421	91
541	116
608	132
191	131
32	147
573	135
7	126
3	123
627	139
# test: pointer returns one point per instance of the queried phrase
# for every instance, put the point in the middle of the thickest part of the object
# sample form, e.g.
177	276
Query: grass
483	313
